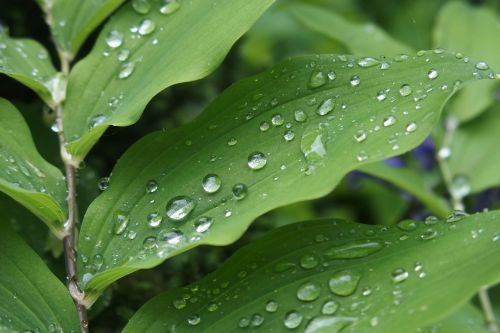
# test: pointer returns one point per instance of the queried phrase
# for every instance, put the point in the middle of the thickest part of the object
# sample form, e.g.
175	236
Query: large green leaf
25	175
360	38
161	50
72	21
330	275
29	63
411	181
474	156
476	33
32	299
288	134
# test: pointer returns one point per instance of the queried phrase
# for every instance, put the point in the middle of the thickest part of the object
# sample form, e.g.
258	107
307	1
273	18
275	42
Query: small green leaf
474	155
25	175
412	182
286	135
29	63
360	38
32	299
475	32
332	276
136	56
72	21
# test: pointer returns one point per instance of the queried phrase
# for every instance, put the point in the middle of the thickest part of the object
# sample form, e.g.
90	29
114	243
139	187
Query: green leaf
32	299
474	159
72	22
467	319
474	31
360	38
25	175
29	63
302	158
411	181
382	279
165	49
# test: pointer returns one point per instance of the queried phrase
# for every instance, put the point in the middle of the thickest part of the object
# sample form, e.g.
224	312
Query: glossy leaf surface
25	175
253	150
138	55
334	276
32	299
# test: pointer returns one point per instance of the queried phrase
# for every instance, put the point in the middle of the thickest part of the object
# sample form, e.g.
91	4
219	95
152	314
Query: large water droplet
121	223
329	308
203	224
308	292
179	207
114	39
154	219
149	243
317	79
257	160
172	237
368	62
293	319
456	216
344	283
277	120
407	225
126	70
146	27
428	234
405	90
354	249
432	74
211	183
399	275
326	107
482	65
300	116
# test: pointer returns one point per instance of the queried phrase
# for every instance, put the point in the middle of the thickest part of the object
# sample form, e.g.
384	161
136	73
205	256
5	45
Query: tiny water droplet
381	95
178	208
329	308
456	216
293	319
121	223
272	306
317	79
240	191
277	120
399	275
172	237
211	183
194	320
411	127
170	7
405	90
300	116
151	186
289	135
428	234
141	6
146	27
264	126
123	55
360	136
432	74
368	62
344	283
232	141
103	183
149	243
154	219
389	121
407	225
326	107
308	292
203	224
126	70
114	39
354	249
308	261
257	161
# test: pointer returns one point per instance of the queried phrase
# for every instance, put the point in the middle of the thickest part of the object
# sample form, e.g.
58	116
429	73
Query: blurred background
276	36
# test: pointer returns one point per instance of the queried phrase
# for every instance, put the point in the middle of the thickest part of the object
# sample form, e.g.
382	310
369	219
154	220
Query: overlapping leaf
29	63
359	38
32	299
136	56
332	276
25	175
476	33
284	136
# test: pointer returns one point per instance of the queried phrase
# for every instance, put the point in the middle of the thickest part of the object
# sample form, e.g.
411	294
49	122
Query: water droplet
146	27
407	225
256	320
432	74
203	224
317	79
399	275
170	6
126	70
289	135
114	39
360	136
212	307
172	237
460	186
308	292
97	120
329	308
123	55
362	156
300	116
381	95
154	219
368	62
141	6
355	81
411	127
240	191
149	243
151	186
257	161
211	183
354	249
293	319
431	220
179	207
428	234
264	126
389	121
326	107
232	141
283	266
97	261
103	183
344	283
456	216
194	320
331	76
121	223
308	261
482	65
277	120
271	306
328	324
405	90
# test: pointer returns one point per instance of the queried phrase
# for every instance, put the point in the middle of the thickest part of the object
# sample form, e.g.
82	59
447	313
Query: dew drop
407	225
389	121
103	183
283	266
293	319
123	55
178	208
317	79
368	62
141	6
405	90
151	186
344	283
331	76
329	308
272	306
456	216
232	142
354	249
399	275
328	324
432	74
172	237
309	261
126	70
428	234
277	120
411	127
194	320
154	219
360	136
170	6
300	116
326	107
308	292
121	223
257	161
203	224
482	65
381	95
114	39
244	322
211	183
149	243
240	191
146	27
355	81
264	126
289	135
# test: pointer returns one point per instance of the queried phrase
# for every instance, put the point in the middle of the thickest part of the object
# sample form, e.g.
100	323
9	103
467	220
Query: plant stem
443	154
70	224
